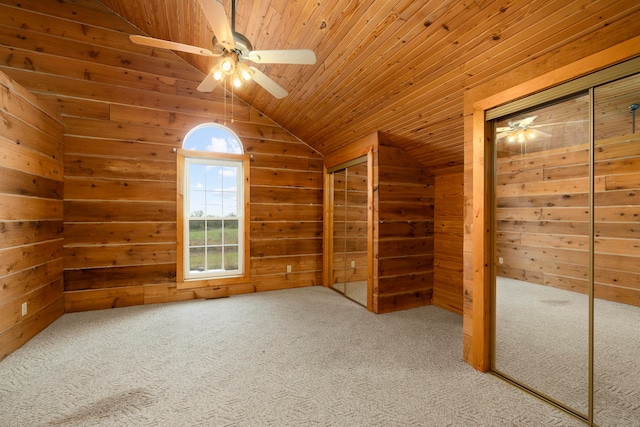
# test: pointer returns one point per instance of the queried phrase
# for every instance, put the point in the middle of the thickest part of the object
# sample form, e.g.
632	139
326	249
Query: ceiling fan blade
291	56
558	123
504	129
526	121
502	135
539	132
219	22
164	44
272	87
208	84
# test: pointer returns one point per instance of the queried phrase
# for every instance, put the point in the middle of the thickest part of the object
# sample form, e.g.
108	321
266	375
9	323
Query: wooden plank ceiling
397	66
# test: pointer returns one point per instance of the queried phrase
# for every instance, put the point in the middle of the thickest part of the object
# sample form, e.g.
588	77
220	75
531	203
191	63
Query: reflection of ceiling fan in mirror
233	49
520	130
524	129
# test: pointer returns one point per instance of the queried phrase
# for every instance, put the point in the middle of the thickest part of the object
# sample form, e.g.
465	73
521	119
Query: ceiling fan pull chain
233	16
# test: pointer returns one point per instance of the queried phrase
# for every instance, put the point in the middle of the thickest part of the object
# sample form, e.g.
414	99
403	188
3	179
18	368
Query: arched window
213	184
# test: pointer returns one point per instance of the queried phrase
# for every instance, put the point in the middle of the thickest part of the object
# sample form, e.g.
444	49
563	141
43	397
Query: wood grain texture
448	232
403	265
31	216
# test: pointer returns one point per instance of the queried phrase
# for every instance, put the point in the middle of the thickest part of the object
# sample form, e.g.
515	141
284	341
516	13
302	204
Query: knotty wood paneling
448	233
403	198
125	109
31	216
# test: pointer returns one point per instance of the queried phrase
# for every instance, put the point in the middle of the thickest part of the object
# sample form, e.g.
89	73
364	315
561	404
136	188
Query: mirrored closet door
566	246
349	271
541	249
616	281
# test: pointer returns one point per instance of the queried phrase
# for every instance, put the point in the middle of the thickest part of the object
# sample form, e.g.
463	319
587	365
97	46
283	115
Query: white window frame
211	273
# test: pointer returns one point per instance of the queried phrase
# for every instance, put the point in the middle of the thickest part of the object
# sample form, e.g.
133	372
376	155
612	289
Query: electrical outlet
353	264
24	308
500	261
288	269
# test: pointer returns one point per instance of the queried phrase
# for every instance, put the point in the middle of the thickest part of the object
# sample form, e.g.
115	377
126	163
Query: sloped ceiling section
400	67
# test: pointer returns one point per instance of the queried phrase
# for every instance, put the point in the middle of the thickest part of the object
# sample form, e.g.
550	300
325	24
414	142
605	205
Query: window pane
197	205
230	205
230	257
196	233
212	138
196	259
214	178
230	200
214	258
197	186
214	232
214	204
231	232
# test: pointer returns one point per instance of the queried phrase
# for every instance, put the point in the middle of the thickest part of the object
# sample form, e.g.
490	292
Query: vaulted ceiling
396	66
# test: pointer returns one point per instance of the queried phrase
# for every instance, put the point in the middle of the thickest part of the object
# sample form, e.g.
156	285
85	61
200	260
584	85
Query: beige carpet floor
300	357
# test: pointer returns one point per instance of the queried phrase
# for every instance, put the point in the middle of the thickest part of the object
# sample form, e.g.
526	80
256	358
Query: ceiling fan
233	49
524	129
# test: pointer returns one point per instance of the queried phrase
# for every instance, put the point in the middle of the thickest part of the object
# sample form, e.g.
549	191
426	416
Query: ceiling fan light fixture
217	73
245	72
228	65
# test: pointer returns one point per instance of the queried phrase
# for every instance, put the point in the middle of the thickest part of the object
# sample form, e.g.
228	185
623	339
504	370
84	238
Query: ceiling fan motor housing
243	45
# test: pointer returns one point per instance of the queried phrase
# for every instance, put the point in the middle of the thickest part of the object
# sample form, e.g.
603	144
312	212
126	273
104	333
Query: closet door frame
535	92
355	153
478	135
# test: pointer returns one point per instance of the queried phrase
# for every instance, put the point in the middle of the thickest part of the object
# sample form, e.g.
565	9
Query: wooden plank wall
125	109
448	235
404	209
542	218
31	222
